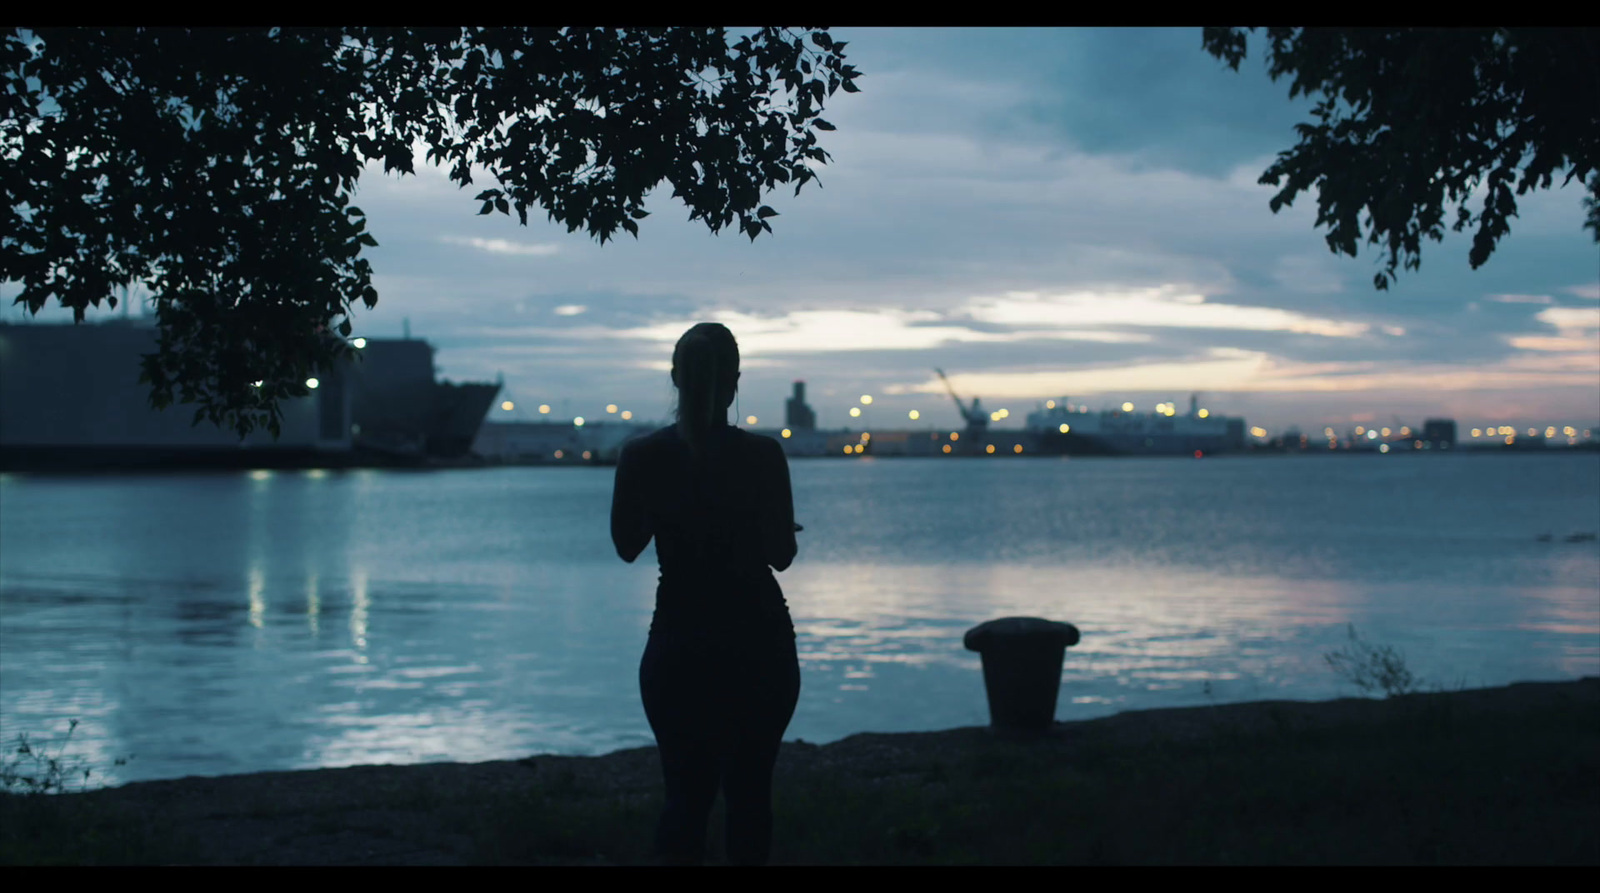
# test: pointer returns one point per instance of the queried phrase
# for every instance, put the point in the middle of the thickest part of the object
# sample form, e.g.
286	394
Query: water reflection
313	603
483	615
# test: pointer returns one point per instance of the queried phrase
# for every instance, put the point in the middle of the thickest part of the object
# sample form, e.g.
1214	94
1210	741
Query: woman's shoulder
650	441
760	443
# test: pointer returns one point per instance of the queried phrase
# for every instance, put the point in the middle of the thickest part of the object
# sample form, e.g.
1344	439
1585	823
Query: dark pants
718	710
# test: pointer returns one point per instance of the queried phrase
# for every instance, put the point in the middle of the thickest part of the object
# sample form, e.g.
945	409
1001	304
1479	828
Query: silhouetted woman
720	677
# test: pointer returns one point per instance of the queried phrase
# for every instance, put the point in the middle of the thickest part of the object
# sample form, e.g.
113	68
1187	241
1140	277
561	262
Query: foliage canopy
215	167
1410	120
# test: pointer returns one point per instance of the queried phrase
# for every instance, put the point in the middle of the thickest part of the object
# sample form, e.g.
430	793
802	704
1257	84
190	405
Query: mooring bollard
1022	658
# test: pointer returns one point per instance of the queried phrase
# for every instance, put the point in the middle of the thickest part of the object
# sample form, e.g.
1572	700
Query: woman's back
722	517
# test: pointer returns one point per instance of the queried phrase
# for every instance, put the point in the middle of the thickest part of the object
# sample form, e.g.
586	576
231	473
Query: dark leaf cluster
1413	123
215	167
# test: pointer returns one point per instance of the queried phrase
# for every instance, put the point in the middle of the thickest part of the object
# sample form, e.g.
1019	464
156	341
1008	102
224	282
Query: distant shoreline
70	461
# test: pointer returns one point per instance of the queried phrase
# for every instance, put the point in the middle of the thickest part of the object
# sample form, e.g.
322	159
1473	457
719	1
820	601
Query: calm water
220	623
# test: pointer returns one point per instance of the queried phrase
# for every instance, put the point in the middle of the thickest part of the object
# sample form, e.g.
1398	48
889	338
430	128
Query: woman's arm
630	527
778	545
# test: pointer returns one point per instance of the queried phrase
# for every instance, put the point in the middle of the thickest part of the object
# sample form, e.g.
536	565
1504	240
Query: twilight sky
1040	212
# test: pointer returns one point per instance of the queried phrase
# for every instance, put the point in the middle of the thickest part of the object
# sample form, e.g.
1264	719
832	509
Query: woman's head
705	370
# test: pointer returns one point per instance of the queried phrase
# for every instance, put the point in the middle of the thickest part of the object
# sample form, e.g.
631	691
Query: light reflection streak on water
360	605
258	603
313	603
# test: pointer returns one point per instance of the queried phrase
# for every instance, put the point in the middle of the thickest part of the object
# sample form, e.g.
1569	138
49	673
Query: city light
855	411
1569	431
914	415
627	414
749	420
1049	404
255	384
578	422
848	449
1203	413
956	435
947	447
1532	432
989	448
1360	430
786	432
1384	448
1064	428
861	447
1371	434
1258	432
1005	413
544	407
508	406
1017	448
1550	432
611	407
994	416
359	343
1327	432
1477	432
585	454
865	437
312	383
559	454
1127	407
1511	438
1405	432
1386	432
866	399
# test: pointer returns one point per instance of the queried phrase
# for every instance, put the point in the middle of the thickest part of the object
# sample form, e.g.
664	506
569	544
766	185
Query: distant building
1234	440
796	414
1439	434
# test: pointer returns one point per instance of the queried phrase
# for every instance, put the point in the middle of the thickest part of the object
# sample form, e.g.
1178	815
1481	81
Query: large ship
70	399
1066	429
399	409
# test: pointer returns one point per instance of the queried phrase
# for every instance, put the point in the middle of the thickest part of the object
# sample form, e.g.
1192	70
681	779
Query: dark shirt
722	520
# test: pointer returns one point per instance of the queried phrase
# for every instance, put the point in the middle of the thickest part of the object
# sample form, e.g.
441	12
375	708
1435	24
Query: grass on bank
1424	780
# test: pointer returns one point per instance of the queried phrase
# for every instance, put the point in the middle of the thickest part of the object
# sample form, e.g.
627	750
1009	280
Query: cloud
1547	343
1571	320
1242	371
570	309
1590	291
1522	299
1166	307
503	246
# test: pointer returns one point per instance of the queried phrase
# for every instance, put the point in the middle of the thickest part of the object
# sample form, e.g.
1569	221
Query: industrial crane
977	420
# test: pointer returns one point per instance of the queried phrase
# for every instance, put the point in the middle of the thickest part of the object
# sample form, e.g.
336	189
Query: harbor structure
70	399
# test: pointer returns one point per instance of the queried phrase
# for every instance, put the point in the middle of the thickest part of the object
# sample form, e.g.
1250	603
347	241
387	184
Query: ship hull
70	400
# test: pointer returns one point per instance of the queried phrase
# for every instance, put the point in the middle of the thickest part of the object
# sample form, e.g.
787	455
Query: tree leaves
1408	121
214	167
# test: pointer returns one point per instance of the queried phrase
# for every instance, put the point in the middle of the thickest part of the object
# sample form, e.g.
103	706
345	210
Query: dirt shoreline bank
439	813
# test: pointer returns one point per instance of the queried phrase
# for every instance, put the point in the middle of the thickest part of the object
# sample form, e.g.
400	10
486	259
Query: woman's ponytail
705	366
